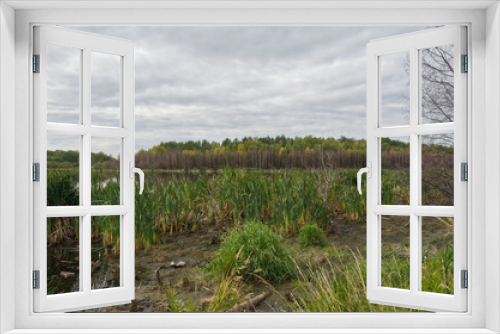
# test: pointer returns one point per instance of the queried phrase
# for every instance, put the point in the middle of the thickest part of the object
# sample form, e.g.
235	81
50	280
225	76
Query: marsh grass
174	302
339	285
253	249
62	187
437	271
229	291
258	209
284	199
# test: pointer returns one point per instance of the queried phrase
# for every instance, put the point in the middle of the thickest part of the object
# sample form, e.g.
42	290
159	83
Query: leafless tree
437	98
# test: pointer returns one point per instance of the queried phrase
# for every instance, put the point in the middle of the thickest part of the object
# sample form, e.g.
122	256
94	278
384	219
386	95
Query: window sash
413	298
86	297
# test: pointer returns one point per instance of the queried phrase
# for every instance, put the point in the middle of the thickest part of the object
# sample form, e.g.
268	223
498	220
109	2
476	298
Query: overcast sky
195	83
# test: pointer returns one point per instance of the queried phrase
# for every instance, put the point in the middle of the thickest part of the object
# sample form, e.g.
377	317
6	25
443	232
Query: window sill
251	331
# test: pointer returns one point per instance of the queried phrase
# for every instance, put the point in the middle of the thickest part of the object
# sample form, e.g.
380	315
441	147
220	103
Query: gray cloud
196	83
63	84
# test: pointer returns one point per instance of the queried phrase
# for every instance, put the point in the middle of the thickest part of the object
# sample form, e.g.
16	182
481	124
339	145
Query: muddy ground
178	263
193	283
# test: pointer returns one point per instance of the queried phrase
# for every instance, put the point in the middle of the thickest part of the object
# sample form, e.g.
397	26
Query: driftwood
157	273
249	305
173	264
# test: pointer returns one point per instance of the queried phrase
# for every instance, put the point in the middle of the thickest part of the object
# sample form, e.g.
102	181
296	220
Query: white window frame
413	43
483	21
87	43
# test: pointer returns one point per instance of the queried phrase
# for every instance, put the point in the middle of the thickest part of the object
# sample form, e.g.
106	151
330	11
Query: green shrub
312	235
253	250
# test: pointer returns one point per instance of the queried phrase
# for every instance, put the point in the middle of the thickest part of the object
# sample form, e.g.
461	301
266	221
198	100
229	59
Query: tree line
264	144
262	153
70	159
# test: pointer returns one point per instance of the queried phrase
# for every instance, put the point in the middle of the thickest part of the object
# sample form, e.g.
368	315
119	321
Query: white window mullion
414	174
422	211
432	129
396	131
127	232
417	167
373	183
85	255
85	176
70	129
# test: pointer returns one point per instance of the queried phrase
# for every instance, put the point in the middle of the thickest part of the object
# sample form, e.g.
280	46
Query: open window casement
433	61
79	123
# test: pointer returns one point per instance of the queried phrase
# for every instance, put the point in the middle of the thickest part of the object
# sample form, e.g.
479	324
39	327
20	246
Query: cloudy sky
195	83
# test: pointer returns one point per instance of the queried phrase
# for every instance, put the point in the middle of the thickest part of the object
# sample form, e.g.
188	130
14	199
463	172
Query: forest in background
262	153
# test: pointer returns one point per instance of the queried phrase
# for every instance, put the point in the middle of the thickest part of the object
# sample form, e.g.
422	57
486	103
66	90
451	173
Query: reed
284	199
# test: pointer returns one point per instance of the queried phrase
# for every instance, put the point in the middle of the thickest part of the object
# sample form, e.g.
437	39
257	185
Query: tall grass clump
174	302
340	284
337	286
312	235
227	293
251	251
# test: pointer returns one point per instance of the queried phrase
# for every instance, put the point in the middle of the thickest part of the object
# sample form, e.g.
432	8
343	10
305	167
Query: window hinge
465	279
36	279
465	64
36	172
464	171
36	63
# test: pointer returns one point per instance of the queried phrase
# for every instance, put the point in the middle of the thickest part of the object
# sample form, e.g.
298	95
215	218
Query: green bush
312	235
253	250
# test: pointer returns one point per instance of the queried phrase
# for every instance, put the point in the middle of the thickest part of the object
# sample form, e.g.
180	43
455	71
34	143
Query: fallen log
249	305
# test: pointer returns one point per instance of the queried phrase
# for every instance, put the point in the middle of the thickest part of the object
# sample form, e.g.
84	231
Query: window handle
133	170
368	171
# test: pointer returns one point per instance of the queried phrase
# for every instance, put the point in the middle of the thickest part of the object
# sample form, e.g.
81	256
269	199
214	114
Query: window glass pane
63	84
395	89
105	252
395	252
395	178
106	170
63	255
437	84
437	254
63	161
106	79
437	169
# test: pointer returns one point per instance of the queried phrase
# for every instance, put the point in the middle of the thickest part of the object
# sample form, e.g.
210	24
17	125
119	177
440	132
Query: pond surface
63	268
